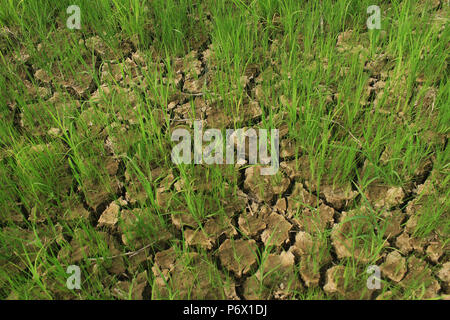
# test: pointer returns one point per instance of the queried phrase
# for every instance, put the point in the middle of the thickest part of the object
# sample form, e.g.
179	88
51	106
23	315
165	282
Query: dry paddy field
92	205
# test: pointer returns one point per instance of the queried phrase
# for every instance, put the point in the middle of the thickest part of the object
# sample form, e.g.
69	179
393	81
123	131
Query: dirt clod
238	256
394	267
277	231
110	216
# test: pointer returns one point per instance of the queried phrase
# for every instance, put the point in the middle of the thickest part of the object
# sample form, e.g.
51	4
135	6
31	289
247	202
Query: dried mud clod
265	187
391	223
418	271
213	229
315	220
351	236
444	275
107	253
251	224
137	287
338	197
300	199
275	278
313	255
384	197
394	267
435	251
277	231
238	256
189	276
143	227
337	284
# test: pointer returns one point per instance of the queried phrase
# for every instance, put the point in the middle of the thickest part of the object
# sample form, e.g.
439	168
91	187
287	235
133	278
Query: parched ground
87	179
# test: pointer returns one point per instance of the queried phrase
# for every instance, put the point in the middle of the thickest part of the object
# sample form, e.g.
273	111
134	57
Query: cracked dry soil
278	235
